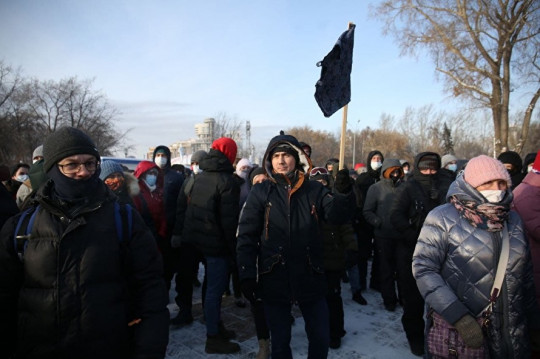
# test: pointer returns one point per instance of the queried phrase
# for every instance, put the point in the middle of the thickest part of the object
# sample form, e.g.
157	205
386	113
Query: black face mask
70	190
395	178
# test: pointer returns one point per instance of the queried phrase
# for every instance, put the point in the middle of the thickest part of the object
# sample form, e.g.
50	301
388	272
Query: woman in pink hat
455	266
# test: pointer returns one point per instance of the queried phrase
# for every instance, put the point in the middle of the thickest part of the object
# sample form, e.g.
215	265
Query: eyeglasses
74	167
318	171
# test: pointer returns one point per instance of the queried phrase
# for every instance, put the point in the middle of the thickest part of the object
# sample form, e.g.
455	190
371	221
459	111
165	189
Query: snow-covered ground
372	332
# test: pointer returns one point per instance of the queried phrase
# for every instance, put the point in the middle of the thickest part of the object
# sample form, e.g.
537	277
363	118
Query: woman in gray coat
456	257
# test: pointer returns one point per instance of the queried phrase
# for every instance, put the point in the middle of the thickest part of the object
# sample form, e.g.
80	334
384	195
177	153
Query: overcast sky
167	65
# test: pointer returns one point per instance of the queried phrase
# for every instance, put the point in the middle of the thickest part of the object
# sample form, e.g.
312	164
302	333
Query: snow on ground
372	333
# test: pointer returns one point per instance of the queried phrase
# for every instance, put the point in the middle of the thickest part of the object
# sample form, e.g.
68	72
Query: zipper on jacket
267	219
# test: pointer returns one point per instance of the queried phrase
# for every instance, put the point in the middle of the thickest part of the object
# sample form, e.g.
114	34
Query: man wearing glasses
79	289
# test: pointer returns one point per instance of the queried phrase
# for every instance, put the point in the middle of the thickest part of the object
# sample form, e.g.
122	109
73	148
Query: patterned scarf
488	216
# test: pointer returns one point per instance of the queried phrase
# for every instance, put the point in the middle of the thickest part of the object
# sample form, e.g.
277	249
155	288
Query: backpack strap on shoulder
123	216
23	230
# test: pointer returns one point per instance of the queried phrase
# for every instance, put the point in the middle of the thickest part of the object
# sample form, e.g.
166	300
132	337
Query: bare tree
485	50
324	145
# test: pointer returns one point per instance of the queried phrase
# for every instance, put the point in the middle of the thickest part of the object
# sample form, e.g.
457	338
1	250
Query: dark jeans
217	276
335	304
386	250
278	316
413	303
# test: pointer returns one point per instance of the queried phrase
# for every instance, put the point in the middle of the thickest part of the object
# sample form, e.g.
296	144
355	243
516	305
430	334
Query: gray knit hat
446	159
65	142
108	167
198	156
38	152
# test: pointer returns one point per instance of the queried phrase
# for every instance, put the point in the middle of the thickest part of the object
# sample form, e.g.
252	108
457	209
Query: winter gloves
470	331
343	182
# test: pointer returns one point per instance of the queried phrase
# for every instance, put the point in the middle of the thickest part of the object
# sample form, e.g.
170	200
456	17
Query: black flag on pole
333	90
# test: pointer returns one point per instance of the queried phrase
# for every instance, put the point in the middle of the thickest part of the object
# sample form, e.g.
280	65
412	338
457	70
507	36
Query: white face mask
376	165
493	195
196	169
160	161
21	178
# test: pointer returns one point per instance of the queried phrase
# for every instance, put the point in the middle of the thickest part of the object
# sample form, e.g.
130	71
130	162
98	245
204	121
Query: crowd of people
90	251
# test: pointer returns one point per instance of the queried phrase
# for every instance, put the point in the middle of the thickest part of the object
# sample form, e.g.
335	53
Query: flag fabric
333	90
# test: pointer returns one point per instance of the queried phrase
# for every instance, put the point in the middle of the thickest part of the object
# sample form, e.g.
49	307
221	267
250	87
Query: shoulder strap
503	263
123	217
25	224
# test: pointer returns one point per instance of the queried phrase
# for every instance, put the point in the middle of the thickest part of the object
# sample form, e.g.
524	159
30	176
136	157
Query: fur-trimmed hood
304	161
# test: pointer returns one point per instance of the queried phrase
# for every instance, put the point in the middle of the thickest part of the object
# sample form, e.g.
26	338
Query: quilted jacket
455	264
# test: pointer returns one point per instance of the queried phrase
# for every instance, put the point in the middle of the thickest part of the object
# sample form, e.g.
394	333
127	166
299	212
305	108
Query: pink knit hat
483	169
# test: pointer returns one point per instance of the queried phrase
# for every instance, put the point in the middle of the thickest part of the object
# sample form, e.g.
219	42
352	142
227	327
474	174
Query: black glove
343	182
470	331
248	288
351	258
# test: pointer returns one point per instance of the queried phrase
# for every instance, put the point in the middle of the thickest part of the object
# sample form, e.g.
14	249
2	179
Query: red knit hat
483	169
227	146
358	165
536	164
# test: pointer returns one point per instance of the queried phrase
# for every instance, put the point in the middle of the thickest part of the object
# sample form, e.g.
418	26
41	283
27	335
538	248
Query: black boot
183	318
224	332
357	297
216	344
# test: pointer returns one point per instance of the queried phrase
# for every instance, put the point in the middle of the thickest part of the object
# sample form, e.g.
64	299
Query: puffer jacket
211	216
279	234
78	286
527	204
379	200
172	182
454	265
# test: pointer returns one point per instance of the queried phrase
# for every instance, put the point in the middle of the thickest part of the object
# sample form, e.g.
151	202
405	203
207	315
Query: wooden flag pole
344	128
343	137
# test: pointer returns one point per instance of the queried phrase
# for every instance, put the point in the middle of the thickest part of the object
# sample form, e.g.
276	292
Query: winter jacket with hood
379	200
455	264
150	203
527	205
172	182
78	286
211	216
415	198
279	234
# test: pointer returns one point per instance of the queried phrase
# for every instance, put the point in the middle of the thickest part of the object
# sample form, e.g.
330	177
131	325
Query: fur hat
108	167
227	146
65	142
483	169
446	159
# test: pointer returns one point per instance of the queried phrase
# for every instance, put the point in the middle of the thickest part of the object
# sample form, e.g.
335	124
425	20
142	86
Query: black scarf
72	190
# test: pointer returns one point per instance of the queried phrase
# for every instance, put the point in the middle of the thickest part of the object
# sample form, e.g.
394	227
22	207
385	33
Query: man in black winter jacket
416	197
75	288
210	224
364	230
280	248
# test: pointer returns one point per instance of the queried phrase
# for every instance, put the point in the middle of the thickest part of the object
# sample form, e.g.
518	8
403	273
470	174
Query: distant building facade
181	151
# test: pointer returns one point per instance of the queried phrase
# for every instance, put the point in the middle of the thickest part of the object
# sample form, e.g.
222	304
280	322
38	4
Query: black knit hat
65	142
429	162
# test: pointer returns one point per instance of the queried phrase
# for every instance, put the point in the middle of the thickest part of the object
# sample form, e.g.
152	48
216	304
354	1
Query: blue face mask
452	167
150	180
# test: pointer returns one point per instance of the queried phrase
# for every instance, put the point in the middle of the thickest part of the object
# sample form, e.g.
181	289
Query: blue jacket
455	264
